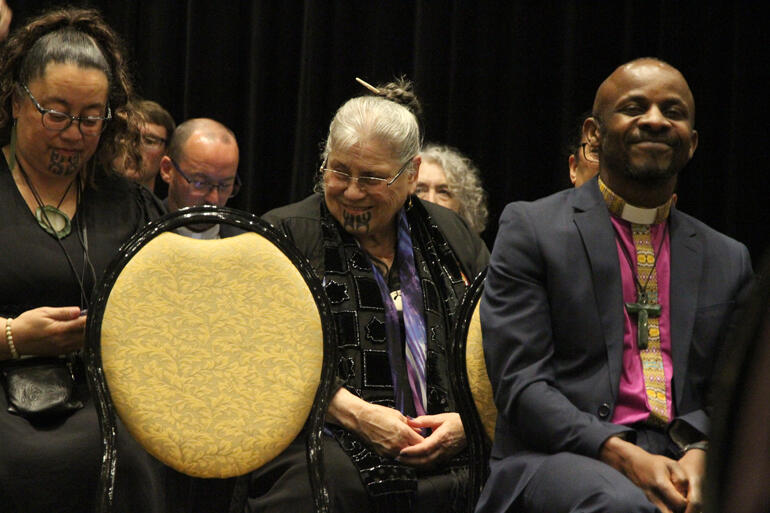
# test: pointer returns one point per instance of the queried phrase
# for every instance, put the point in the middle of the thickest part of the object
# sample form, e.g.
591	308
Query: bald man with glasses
201	168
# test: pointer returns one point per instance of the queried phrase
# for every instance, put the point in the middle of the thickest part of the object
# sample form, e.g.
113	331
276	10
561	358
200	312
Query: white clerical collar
207	234
637	215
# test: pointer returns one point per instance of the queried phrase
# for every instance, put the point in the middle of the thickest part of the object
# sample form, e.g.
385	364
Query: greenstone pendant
53	220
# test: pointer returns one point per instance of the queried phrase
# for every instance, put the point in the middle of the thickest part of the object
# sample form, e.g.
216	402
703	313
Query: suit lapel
686	263
595	228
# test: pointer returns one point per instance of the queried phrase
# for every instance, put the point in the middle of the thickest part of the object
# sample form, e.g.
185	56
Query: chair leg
108	427
314	452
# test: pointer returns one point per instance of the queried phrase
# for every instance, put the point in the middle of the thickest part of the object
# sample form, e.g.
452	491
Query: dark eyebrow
370	173
674	100
337	165
57	99
201	177
635	98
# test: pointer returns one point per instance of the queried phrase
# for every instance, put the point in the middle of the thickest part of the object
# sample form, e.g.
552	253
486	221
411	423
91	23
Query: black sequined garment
445	251
364	362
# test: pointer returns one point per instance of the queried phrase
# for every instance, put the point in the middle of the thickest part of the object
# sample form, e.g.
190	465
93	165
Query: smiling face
647	114
69	89
432	186
367	211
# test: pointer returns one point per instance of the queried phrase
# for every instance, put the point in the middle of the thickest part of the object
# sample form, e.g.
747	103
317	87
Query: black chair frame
478	442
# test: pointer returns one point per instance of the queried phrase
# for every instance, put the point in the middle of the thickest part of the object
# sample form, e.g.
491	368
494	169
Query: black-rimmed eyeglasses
590	155
60	121
339	179
205	187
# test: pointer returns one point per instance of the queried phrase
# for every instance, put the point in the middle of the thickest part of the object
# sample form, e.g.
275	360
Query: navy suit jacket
552	321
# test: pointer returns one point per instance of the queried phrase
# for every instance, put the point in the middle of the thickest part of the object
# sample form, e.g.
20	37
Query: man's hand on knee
663	480
693	462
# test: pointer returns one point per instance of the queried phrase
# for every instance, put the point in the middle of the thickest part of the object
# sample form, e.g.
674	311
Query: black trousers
283	485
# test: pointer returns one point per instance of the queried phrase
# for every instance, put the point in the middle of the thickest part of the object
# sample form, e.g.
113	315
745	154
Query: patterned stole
646	308
369	350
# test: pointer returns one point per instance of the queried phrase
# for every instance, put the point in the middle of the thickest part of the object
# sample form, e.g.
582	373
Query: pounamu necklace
50	218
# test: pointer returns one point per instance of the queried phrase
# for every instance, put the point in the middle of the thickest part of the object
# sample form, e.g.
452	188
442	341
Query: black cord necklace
643	307
50	218
43	215
82	234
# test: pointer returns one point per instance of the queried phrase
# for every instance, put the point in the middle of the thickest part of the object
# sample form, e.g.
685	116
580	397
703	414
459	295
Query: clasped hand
673	486
392	434
447	438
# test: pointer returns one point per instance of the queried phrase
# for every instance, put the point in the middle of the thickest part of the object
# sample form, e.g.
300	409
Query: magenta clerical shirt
632	405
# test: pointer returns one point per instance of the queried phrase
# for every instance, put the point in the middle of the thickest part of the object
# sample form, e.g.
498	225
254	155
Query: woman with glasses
394	269
451	179
62	219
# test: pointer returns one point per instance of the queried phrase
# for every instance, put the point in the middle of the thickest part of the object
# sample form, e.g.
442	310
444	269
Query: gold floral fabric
481	388
212	351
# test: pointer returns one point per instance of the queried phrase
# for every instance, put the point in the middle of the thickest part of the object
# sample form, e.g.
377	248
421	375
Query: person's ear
16	102
165	169
693	142
592	132
413	177
572	169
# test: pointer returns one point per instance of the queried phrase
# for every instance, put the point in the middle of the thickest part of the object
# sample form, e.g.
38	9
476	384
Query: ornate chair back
213	353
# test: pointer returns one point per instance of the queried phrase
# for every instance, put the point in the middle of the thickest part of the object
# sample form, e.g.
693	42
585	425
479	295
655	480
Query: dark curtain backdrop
502	81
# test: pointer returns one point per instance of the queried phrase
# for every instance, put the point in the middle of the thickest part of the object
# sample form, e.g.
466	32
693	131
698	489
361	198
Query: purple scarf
414	322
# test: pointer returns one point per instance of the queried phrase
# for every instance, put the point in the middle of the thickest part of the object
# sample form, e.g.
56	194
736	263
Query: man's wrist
615	452
702	445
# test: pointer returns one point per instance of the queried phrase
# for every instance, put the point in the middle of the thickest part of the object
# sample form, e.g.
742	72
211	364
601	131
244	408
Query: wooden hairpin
368	86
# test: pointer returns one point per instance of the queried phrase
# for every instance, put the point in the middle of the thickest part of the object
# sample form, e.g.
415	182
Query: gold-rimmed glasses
336	178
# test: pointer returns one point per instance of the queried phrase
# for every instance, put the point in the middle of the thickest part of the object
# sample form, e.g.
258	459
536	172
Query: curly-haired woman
63	218
449	178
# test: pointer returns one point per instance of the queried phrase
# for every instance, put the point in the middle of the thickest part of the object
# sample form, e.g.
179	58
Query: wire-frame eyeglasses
205	187
339	179
590	155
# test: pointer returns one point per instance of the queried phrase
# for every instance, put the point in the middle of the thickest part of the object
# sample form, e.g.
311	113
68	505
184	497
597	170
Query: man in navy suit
603	311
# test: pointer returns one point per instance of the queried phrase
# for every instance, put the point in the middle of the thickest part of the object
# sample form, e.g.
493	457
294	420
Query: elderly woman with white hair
452	180
395	269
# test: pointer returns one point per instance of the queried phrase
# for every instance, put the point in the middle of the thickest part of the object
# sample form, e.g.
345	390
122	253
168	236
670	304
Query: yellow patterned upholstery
212	351
481	388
